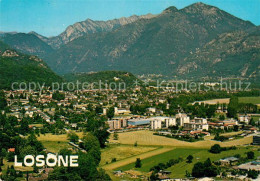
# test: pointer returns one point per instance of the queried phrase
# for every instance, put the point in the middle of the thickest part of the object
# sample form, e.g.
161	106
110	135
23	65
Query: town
220	121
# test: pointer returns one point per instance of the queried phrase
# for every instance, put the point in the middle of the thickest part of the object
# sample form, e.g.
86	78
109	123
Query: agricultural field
123	151
146	137
179	170
61	138
214	101
167	149
253	100
123	162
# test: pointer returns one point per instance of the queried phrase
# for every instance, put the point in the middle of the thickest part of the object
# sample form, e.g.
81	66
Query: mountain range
197	41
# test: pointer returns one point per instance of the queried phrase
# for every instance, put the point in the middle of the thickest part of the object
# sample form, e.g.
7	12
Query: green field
253	100
256	118
161	158
122	151
179	170
55	146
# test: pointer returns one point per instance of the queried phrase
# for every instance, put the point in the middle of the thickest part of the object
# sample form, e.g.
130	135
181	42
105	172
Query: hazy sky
51	17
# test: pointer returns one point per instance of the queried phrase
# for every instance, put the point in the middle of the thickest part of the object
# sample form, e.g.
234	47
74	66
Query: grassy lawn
253	100
55	146
122	151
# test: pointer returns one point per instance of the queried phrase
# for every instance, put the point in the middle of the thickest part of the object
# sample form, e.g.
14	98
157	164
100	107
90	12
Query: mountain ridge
172	43
156	45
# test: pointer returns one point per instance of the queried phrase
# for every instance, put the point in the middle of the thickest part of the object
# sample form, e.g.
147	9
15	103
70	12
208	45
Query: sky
51	17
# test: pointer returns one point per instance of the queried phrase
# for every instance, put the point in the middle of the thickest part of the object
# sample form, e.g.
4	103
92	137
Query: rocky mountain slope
89	27
235	53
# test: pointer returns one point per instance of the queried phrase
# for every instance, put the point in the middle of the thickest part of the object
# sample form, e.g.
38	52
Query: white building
197	124
162	122
182	118
120	111
244	119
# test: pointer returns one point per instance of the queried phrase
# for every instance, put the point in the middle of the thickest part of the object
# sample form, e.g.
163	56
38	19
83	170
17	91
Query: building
182	118
161	122
229	161
138	122
121	111
197	124
117	124
254	165
244	119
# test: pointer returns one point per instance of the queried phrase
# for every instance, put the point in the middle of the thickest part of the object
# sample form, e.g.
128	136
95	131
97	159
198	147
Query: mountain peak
198	7
171	9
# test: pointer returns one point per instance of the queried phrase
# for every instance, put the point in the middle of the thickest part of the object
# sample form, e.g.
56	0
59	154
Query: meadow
179	170
146	137
253	100
122	151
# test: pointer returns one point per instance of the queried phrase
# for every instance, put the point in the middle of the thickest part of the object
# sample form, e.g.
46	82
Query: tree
58	96
252	122
98	127
222	117
65	152
3	102
135	144
250	155
73	137
154	177
98	109
90	142
236	127
102	175
252	174
198	170
215	148
138	163
110	112
32	141
204	169
115	136
189	159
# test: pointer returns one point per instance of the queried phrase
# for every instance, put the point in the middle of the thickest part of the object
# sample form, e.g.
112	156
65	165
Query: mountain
111	78
89	27
19	67
235	53
27	43
155	45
